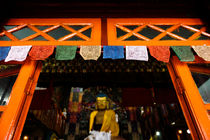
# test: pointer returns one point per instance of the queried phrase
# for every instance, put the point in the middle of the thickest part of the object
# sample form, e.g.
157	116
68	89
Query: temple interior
140	93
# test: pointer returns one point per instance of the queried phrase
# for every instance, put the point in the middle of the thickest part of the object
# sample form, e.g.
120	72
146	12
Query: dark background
105	8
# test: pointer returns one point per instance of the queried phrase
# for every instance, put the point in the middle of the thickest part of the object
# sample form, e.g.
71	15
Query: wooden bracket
29	85
179	86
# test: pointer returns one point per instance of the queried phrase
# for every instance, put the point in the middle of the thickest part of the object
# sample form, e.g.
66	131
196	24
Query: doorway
141	94
195	110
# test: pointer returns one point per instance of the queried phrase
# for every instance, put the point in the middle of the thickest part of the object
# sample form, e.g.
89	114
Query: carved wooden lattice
157	32
51	32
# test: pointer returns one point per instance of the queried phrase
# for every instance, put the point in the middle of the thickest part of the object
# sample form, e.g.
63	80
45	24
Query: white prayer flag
137	53
18	53
203	52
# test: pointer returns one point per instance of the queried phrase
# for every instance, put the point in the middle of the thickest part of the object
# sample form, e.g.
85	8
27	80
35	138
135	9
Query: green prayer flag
184	53
65	52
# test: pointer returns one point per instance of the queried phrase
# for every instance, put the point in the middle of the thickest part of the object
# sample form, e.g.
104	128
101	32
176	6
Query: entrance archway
195	111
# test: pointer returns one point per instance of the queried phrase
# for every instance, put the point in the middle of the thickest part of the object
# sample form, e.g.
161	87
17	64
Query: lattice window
157	32
51	32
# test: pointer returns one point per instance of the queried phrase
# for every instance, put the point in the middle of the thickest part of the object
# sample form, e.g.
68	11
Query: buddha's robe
109	122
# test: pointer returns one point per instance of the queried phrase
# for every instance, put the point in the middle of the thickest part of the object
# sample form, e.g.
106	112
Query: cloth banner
39	101
113	52
184	53
41	52
18	53
90	52
161	53
65	52
137	53
203	52
4	52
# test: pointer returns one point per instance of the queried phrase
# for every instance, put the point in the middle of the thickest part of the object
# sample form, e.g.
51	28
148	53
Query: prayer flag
184	53
4	52
136	53
90	52
161	53
41	52
65	52
113	52
18	53
203	52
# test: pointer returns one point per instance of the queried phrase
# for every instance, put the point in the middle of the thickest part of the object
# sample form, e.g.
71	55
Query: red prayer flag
161	53
41	52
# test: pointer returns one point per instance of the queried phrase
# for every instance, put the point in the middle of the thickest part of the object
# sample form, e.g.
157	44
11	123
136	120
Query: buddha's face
101	102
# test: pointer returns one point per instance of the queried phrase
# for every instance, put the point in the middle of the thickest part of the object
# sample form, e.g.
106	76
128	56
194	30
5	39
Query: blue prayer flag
113	52
4	52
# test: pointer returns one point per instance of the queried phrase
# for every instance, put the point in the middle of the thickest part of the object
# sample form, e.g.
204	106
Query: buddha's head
102	102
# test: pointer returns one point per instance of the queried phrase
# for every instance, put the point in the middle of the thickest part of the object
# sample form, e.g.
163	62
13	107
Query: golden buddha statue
103	119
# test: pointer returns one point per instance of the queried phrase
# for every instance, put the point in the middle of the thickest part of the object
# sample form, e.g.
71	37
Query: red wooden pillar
190	100
13	117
